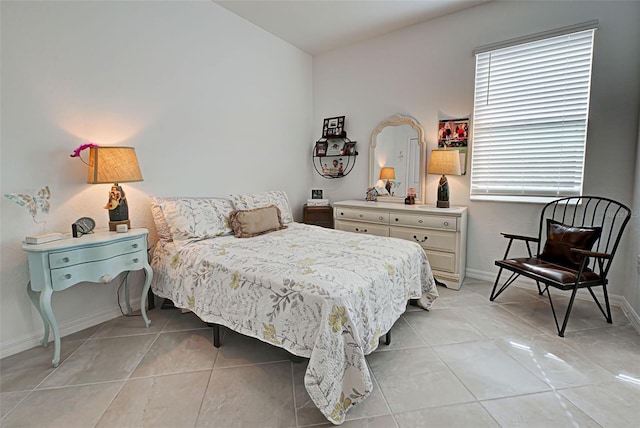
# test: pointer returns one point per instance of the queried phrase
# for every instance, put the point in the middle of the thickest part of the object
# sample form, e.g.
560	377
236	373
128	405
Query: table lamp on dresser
445	162
114	165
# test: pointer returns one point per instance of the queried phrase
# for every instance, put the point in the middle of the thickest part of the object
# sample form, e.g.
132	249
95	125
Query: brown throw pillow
561	238
257	221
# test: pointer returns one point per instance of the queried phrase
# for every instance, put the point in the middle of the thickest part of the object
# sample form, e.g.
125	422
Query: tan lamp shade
445	162
387	173
113	165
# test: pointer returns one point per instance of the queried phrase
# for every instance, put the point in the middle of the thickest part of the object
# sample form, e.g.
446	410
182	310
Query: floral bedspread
323	294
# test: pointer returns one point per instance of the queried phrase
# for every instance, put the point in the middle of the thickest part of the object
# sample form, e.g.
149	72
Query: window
531	107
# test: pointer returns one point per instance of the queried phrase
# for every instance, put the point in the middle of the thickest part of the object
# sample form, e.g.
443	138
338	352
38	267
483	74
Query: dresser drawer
430	221
98	252
97	271
368	228
364	215
438	260
428	238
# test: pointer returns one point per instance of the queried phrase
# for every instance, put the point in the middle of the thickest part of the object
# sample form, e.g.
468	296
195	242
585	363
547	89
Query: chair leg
566	316
387	338
607	314
506	284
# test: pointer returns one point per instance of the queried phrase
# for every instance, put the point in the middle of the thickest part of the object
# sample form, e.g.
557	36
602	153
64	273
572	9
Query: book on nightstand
317	202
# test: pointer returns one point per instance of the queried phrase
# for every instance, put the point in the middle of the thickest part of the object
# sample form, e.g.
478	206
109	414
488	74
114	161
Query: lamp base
442	204
114	224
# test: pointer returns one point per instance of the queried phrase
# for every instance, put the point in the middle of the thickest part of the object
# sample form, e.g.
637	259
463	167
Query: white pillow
260	200
162	228
196	218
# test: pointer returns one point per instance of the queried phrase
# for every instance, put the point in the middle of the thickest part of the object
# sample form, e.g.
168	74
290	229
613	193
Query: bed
322	294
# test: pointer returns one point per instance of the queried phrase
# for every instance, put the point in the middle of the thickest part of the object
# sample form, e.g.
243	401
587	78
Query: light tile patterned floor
467	363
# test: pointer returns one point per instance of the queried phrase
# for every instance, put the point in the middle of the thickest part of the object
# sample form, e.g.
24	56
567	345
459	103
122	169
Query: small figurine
372	194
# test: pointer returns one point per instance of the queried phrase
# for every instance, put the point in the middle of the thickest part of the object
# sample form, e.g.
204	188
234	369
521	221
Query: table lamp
114	165
388	173
444	162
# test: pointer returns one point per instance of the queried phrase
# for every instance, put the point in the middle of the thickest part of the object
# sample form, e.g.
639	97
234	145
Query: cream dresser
442	232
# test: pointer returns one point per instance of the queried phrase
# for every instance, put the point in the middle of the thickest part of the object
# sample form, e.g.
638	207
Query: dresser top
100	236
416	209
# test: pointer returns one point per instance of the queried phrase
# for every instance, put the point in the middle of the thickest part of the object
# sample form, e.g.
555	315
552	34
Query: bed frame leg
216	334
387	338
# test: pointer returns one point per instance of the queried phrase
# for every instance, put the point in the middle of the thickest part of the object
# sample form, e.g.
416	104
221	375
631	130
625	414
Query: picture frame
316	193
349	148
335	147
321	148
333	127
454	133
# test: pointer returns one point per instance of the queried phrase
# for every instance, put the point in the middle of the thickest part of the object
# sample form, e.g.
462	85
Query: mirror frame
398	120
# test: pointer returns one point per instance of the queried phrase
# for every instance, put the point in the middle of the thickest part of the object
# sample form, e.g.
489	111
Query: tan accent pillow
257	221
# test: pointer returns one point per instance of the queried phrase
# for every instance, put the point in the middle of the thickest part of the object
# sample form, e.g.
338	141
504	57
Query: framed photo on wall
349	148
335	147
454	133
321	148
333	127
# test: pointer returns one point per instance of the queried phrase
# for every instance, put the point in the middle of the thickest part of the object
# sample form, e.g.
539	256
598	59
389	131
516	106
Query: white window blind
530	118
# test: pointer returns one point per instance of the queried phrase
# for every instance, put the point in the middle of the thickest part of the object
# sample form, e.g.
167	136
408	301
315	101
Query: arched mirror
398	143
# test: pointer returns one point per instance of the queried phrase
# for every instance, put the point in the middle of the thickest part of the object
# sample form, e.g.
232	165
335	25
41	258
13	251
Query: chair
577	240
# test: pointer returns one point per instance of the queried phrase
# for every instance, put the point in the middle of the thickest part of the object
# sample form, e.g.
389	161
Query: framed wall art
333	127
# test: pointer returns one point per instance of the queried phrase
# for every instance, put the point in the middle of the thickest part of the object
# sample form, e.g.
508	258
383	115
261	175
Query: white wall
427	71
212	104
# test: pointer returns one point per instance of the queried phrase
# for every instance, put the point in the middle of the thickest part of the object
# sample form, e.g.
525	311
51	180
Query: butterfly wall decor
35	203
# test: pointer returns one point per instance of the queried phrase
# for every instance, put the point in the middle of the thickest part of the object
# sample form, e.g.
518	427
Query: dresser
319	216
442	232
97	257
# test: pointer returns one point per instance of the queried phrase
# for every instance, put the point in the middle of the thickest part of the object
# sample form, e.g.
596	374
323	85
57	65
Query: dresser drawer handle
361	215
135	245
65	260
380	218
446	223
361	230
341	213
106	278
136	260
420	221
396	219
423	239
67	276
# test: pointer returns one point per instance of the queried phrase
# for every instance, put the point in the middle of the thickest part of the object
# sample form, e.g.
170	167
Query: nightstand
97	257
319	216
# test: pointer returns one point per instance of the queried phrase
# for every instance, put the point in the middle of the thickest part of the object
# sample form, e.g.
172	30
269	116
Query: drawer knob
396	219
136	260
341	213
418	240
420	221
135	245
446	223
105	278
361	215
67	276
65	260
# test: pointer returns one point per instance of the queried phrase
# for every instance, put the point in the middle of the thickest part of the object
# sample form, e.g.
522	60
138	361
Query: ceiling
318	26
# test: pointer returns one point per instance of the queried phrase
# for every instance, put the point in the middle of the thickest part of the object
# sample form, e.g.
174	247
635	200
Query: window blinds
531	107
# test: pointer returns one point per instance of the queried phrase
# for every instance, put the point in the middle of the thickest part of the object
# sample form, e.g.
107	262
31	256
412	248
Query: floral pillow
259	200
196	218
162	228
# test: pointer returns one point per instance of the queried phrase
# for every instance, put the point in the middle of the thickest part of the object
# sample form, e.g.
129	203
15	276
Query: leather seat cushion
554	272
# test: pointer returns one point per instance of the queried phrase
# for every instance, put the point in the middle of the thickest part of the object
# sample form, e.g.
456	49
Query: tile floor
467	363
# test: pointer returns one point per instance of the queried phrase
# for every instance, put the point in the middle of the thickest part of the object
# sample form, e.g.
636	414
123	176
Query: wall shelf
331	164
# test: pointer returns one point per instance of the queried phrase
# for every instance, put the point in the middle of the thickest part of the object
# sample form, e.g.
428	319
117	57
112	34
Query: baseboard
632	315
23	343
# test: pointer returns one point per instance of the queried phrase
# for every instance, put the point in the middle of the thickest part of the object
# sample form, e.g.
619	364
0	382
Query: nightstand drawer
430	221
369	215
102	271
368	228
438	260
98	252
429	239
